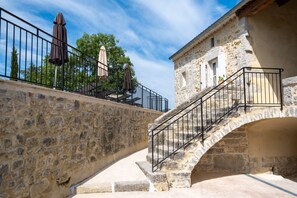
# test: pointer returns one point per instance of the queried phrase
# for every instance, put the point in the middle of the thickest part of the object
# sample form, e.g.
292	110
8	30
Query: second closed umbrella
127	84
102	63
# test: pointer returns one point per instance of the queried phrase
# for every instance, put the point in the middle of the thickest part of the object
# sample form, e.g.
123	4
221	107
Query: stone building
255	33
246	124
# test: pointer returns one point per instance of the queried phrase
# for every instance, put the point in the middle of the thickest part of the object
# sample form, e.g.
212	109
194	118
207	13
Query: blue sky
149	30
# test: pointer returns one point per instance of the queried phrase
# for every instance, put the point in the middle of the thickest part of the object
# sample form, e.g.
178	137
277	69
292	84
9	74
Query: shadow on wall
273	37
262	146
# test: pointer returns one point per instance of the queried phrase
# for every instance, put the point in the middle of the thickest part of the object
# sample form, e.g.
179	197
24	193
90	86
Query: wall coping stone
14	85
290	81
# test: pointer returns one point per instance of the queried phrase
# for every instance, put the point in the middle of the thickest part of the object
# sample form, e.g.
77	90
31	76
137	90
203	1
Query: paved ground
208	185
123	170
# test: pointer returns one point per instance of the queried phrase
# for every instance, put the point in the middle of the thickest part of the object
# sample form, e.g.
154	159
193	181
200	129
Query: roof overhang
244	8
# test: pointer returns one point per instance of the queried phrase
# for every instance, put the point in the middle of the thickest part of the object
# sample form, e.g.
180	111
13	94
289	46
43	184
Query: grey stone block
129	186
158	178
288	96
98	188
290	81
229	162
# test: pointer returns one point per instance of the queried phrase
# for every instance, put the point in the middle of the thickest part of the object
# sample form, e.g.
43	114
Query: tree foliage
116	58
81	69
14	66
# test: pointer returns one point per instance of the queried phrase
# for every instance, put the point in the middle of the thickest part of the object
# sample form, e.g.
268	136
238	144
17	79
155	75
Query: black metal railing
248	87
25	56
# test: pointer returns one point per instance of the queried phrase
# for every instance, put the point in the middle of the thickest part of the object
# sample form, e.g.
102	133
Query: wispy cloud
162	71
150	31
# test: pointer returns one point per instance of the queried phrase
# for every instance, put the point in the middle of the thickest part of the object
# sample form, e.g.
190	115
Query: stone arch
197	150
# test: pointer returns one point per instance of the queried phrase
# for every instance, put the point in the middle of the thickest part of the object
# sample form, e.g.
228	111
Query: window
213	71
212	42
184	79
206	78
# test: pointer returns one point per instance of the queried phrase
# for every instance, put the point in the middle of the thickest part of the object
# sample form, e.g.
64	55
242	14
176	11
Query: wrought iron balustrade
248	87
31	47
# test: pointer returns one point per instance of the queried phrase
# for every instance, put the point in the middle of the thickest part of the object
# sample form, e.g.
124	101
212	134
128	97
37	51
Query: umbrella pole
63	66
55	79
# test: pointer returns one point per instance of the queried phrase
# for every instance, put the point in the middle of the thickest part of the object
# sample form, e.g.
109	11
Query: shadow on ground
202	176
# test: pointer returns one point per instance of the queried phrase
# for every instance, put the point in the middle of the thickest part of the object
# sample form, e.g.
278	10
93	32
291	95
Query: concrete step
186	135
156	156
174	144
178	143
177	140
158	178
164	150
178	135
119	186
98	188
122	176
131	186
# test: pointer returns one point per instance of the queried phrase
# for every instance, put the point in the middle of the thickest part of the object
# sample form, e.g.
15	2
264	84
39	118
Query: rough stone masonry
50	140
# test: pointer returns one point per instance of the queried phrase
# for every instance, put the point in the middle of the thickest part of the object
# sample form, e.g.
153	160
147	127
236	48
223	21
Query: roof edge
228	16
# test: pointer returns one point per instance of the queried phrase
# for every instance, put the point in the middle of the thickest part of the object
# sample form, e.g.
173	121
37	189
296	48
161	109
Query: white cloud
175	21
150	31
155	74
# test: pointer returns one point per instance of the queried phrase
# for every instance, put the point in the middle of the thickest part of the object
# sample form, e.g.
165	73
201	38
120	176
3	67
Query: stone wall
230	41
290	91
271	49
50	140
229	154
266	145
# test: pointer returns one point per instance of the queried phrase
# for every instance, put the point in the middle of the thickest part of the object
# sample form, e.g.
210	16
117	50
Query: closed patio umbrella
102	63
58	55
127	84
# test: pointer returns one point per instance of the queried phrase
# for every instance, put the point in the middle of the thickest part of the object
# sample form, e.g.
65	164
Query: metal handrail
46	33
213	106
80	74
193	102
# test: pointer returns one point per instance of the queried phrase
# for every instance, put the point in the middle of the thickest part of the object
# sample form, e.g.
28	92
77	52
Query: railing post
156	102
161	103
63	68
281	88
96	78
152	145
36	70
244	90
118	86
142	95
150	99
167	105
6	46
202	130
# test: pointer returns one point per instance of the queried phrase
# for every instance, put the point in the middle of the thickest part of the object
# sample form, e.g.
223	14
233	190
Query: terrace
32	47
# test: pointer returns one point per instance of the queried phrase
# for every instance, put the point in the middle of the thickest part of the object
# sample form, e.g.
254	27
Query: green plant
14	66
90	44
222	78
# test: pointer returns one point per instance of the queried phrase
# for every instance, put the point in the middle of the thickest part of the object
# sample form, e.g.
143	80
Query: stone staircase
191	128
188	126
184	129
